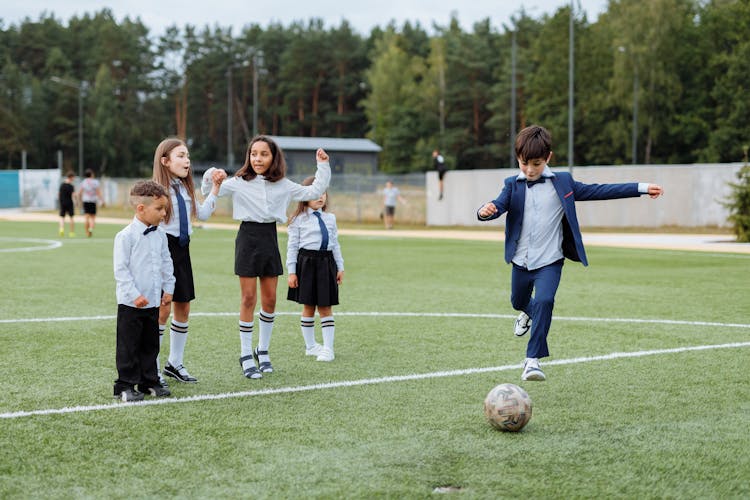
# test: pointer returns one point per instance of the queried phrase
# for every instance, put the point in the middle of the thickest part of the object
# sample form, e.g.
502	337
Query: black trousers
137	348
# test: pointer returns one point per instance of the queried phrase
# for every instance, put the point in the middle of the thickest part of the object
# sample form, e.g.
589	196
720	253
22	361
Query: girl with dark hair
260	195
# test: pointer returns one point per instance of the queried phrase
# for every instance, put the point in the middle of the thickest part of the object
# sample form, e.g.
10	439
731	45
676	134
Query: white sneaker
315	350
325	354
523	325
532	371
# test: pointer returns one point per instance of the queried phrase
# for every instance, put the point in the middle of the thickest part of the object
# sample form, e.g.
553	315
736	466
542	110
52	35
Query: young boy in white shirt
145	281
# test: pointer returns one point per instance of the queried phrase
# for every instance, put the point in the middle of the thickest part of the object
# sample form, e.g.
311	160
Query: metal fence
352	197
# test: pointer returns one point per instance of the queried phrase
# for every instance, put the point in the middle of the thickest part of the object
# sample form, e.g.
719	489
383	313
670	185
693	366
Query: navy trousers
543	282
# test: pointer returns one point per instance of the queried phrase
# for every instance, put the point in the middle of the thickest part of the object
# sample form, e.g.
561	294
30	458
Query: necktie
184	238
323	232
149	229
538	181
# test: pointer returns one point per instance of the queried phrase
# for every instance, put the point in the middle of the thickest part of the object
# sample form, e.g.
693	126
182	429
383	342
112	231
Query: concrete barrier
693	196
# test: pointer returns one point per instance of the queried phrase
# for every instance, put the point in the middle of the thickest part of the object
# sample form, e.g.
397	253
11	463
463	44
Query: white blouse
304	232
259	200
202	210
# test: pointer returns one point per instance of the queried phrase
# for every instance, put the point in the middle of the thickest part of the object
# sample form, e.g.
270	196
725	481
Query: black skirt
256	250
184	288
316	278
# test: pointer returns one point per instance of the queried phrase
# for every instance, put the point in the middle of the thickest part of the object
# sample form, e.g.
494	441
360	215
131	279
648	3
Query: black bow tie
149	229
531	183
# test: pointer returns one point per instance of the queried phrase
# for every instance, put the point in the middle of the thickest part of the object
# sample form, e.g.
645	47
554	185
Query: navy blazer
511	199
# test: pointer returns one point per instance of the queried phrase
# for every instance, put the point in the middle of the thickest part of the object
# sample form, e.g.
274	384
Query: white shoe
315	350
523	325
532	371
325	354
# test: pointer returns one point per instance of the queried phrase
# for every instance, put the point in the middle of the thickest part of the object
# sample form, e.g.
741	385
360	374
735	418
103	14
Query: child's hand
655	190
218	176
339	277
487	210
321	155
166	299
292	281
140	301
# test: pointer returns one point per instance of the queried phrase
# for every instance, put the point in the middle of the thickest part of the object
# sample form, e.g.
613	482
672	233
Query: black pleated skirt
316	276
184	288
256	250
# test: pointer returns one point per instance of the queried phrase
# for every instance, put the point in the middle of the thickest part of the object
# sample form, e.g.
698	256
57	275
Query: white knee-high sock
328	327
308	331
178	333
264	333
246	343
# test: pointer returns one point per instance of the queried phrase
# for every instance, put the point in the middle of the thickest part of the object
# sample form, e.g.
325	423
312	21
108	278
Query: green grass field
423	332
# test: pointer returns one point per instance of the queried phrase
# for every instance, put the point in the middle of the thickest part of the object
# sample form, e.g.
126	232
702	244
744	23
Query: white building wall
693	196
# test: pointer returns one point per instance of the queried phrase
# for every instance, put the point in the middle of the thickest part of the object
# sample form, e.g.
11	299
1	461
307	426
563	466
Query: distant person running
90	194
391	195
67	207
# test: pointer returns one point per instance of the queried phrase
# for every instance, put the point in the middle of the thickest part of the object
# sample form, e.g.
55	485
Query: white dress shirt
540	242
304	232
202	211
143	265
259	200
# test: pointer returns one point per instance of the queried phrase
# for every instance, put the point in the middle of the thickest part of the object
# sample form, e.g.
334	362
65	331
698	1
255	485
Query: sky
361	15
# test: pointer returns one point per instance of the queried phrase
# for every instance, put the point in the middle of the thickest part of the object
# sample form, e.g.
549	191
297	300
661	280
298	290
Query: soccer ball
507	407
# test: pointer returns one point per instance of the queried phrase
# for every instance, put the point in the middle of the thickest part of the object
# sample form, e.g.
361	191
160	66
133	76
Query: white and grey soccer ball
507	407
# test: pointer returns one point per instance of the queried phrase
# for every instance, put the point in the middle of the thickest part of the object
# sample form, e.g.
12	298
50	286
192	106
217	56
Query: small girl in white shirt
260	196
316	269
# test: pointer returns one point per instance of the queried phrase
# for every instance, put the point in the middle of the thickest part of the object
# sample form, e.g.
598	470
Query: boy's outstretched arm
655	190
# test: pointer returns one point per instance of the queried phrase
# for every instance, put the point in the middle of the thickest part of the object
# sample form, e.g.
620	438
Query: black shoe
158	391
129	395
252	371
180	373
265	366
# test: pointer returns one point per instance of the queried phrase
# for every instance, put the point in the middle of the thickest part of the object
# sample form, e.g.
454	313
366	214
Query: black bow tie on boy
538	181
149	229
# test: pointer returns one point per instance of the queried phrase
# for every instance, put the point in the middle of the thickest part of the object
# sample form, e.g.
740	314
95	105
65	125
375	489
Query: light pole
257	56
257	65
571	85
79	87
634	138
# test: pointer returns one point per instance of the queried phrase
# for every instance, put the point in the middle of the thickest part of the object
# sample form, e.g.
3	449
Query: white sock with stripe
246	343
265	329
328	327
178	333
308	331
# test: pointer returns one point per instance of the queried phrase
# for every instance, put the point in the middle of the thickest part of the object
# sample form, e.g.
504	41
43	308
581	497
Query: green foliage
739	204
664	425
679	66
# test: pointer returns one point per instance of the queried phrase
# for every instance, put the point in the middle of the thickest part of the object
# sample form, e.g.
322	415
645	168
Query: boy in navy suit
541	230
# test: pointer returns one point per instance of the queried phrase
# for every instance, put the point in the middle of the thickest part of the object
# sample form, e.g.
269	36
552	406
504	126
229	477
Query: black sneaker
129	395
158	391
180	373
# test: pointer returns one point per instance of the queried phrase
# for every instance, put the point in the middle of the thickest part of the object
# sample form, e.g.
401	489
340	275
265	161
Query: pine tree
739	204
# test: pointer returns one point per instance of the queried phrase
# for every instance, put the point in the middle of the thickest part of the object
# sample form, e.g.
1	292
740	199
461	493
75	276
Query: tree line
671	74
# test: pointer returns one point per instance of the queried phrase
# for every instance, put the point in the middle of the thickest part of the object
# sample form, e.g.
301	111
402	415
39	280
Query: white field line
40	244
410	314
361	382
